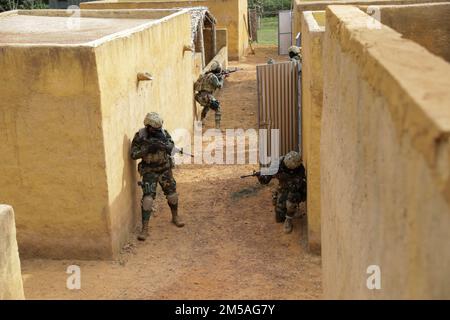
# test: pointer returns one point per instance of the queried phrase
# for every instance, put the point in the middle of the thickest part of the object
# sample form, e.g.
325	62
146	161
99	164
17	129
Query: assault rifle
182	152
254	174
225	73
158	144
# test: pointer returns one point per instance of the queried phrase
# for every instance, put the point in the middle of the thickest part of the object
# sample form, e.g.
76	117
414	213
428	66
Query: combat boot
144	232
176	219
288	225
217	124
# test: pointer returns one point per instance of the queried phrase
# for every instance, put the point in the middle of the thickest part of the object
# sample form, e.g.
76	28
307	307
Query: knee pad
214	104
291	207
172	199
147	203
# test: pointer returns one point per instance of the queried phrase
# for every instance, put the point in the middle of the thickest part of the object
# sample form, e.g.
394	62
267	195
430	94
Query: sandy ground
230	248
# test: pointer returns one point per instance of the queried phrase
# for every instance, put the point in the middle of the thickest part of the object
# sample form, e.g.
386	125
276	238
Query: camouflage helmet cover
153	120
292	160
294	50
216	66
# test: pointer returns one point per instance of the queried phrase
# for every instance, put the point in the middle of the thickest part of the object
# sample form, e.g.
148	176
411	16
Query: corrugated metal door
278	108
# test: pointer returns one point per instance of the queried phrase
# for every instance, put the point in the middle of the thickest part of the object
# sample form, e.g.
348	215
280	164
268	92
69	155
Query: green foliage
268	33
6	5
270	7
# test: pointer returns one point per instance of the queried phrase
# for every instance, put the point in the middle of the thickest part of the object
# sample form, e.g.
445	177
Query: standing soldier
154	146
291	189
295	53
205	86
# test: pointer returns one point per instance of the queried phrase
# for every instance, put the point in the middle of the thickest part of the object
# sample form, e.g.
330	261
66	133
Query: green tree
270	6
6	5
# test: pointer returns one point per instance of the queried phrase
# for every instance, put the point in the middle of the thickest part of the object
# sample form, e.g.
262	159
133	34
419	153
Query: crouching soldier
205	86
291	188
154	146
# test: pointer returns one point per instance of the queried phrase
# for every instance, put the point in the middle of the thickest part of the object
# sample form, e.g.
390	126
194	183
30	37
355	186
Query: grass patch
268	33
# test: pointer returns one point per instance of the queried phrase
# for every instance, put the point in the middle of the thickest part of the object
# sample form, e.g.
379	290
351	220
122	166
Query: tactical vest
206	83
292	180
156	161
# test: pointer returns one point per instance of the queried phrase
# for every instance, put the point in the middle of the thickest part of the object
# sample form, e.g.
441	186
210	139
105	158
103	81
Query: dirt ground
230	248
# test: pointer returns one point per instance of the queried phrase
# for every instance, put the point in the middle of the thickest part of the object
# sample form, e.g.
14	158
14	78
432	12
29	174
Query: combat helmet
216	67
294	50
292	160
153	120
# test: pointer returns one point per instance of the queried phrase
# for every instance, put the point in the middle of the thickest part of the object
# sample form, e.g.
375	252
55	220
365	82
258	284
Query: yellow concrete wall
385	162
312	84
428	19
65	139
51	150
11	285
125	102
228	13
307	5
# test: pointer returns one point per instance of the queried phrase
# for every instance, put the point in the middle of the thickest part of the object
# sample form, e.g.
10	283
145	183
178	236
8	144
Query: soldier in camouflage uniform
205	87
154	146
295	54
291	189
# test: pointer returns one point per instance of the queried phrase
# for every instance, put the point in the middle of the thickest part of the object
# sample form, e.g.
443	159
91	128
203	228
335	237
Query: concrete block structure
299	6
313	30
71	103
230	14
11	286
385	153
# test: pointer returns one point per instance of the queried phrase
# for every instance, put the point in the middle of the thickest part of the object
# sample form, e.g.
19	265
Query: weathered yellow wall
307	5
125	102
65	140
385	162
228	13
51	150
433	20
312	84
222	38
11	286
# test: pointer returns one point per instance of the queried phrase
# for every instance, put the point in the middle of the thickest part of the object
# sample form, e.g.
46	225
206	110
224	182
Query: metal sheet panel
278	107
284	31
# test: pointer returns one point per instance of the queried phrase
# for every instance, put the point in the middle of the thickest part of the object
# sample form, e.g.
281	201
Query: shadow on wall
127	200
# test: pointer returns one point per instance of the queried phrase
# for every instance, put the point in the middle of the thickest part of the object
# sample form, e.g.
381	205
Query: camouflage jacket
289	180
208	82
154	149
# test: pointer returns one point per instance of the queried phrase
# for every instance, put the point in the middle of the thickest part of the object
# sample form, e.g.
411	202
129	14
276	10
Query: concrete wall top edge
413	5
311	22
303	3
141	19
352	24
417	93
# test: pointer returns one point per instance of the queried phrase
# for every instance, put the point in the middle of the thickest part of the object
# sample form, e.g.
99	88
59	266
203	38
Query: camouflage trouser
286	203
150	182
207	101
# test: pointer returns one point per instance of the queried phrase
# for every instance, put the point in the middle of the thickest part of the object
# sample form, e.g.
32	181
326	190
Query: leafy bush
6	5
270	7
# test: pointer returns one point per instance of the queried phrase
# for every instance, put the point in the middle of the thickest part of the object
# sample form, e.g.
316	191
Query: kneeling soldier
154	146
291	189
